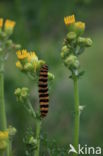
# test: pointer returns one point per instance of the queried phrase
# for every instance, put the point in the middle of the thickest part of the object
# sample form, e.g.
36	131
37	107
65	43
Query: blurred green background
40	27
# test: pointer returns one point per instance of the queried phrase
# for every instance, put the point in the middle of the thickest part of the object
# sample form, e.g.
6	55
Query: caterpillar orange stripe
43	90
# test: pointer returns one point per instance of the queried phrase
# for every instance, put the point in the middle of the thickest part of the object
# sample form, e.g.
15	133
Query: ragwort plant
73	46
6	47
29	64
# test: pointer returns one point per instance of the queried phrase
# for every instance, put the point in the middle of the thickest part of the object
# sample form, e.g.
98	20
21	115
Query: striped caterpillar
43	90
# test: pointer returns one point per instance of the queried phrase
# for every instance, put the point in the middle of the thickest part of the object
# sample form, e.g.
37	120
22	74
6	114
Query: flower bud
51	76
81	41
79	28
17	92
12	131
71	36
19	65
88	42
28	67
65	52
9	26
65	48
39	64
72	61
32	140
24	92
21	93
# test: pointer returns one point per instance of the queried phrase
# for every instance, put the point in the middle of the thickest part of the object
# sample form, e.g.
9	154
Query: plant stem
38	128
31	109
76	122
3	122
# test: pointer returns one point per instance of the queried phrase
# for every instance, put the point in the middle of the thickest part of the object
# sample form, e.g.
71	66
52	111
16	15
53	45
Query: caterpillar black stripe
43	90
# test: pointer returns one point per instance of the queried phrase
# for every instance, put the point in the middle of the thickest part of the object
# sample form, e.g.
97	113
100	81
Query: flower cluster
28	61
7	26
6	44
74	44
3	139
21	94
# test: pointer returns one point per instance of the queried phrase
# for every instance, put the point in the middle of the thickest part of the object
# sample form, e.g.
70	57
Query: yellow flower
1	22
80	25
3	145
32	57
9	24
22	54
3	135
69	20
19	65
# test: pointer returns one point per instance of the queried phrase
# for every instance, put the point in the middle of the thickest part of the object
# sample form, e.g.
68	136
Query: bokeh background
40	27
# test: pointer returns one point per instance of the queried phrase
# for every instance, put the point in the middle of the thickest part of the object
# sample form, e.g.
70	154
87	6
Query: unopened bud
88	42
28	67
51	76
72	61
64	52
71	36
12	131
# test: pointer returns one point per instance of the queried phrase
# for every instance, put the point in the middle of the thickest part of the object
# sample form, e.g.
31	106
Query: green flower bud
32	141
51	76
65	48
39	64
24	92
81	41
72	61
17	92
88	42
12	131
71	36
28	67
65	52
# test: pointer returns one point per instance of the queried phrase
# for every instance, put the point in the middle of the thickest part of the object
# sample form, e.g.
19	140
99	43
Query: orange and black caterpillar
43	90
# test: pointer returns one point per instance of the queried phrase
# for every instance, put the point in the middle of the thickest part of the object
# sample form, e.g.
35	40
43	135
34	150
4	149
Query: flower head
1	22
32	57
80	25
22	54
69	20
9	26
19	65
3	135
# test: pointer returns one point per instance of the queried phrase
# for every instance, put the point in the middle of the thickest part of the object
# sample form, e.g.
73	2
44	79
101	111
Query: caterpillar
43	90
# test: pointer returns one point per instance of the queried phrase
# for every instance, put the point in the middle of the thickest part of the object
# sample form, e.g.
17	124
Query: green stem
31	109
3	122
77	115
38	128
